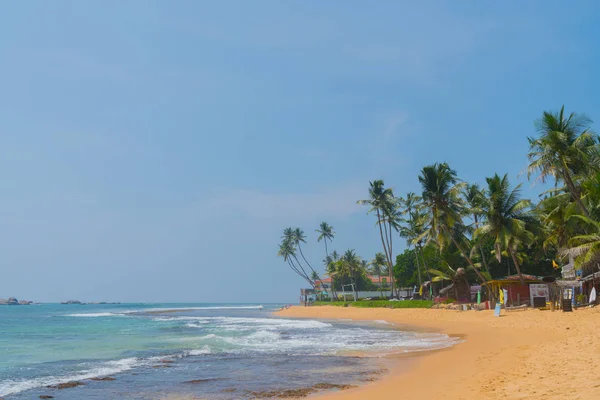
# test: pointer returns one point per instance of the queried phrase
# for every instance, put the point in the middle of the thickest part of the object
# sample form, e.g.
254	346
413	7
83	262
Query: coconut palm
378	268
585	248
445	207
563	151
298	237
326	233
288	253
475	200
295	237
508	219
384	204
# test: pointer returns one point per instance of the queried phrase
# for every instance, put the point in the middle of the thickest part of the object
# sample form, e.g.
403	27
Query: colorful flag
501	296
421	291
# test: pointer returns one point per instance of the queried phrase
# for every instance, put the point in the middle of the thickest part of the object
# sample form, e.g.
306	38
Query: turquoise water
157	348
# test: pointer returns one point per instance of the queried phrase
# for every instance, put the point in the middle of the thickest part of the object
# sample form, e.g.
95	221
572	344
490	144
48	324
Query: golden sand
529	354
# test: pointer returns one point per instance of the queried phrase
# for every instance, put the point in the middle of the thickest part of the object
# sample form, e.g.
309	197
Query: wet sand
528	354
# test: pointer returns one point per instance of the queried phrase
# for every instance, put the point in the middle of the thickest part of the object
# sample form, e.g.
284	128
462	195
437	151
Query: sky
154	150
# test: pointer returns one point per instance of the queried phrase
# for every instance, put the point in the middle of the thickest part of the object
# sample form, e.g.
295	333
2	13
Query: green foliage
378	304
405	270
489	231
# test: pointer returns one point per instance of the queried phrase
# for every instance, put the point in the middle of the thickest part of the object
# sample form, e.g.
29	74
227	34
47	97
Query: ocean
217	351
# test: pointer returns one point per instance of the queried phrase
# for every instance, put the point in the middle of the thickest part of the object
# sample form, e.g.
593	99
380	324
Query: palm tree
331	268
377	268
298	237
441	198
288	253
384	204
413	227
351	263
585	248
508	219
326	233
563	151
475	200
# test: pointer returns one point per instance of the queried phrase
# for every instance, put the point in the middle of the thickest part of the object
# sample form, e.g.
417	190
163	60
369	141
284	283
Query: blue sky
154	151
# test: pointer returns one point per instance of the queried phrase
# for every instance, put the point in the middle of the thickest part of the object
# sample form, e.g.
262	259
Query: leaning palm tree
295	236
288	253
326	233
384	204
563	151
508	219
441	199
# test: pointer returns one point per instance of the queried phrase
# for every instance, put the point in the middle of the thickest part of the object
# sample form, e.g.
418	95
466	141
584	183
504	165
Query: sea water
217	351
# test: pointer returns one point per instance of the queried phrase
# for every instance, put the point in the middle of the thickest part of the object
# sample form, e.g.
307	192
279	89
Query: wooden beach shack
517	294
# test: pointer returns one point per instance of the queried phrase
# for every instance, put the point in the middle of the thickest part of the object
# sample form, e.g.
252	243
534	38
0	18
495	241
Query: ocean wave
176	309
14	386
99	314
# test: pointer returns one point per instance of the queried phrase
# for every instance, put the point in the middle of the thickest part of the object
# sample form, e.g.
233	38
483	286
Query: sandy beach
529	354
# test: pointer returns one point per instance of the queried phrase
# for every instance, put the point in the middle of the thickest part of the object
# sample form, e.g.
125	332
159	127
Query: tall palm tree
508	219
326	233
378	268
441	199
331	268
475	200
413	227
384	204
295	236
563	151
288	253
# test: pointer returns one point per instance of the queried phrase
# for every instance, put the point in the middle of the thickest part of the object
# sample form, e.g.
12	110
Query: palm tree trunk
303	271
574	192
386	253
480	248
392	257
307	263
424	263
418	269
462	252
517	266
380	288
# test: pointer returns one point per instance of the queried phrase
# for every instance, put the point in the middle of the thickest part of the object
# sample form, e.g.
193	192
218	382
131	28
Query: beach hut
590	282
518	294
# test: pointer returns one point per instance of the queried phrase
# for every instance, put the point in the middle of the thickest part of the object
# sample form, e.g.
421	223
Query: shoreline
521	355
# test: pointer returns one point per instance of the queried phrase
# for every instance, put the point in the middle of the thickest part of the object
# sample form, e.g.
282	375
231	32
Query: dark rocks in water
66	385
13	301
161	366
71	302
197	381
104	378
296	393
45	396
330	386
167	361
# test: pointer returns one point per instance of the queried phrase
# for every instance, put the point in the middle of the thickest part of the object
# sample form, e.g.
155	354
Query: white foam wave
168	309
99	314
10	387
